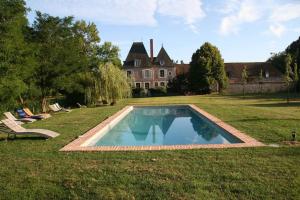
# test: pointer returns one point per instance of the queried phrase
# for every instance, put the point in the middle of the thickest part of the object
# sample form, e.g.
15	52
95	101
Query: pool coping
77	144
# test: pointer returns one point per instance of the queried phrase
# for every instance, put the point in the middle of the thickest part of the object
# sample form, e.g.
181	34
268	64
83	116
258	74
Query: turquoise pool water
166	125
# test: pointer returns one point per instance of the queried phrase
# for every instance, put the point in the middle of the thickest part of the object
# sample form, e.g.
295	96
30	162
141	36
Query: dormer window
162	62
137	62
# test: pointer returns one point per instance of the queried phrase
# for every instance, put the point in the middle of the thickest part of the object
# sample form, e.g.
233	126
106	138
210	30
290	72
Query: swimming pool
160	127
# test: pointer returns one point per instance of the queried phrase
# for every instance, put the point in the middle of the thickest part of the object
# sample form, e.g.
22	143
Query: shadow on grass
279	96
282	104
11	138
263	119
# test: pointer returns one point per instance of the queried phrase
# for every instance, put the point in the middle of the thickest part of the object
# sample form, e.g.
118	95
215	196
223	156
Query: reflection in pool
165	125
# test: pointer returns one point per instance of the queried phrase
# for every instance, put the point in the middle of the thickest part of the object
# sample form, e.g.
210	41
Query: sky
243	30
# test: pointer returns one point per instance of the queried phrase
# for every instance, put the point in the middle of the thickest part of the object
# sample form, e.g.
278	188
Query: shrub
159	91
139	92
178	84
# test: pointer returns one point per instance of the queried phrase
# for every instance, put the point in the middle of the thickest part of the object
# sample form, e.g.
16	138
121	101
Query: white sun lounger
10	116
56	108
53	108
61	108
15	129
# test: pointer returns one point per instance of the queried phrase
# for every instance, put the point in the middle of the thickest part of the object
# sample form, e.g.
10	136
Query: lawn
33	168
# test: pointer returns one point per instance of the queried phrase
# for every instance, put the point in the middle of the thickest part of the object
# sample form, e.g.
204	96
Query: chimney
151	50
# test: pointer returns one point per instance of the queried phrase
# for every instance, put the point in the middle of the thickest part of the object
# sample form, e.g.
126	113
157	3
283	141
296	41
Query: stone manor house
155	71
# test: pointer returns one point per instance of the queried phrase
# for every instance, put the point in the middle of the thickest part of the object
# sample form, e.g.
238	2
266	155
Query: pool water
165	125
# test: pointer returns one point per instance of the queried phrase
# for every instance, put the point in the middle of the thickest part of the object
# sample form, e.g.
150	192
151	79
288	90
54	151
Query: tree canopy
207	68
279	61
54	56
15	54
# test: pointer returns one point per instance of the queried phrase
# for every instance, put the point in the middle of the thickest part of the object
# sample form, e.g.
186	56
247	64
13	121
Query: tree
298	85
261	80
244	78
109	53
199	74
59	53
88	37
207	68
278	60
15	54
287	78
296	76
178	84
112	83
293	49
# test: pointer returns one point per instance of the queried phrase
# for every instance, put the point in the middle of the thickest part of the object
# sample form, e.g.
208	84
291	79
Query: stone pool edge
76	145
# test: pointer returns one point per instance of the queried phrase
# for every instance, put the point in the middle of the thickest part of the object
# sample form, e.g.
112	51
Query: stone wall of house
268	87
138	76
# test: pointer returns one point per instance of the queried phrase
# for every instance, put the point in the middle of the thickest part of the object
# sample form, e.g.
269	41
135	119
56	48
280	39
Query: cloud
123	12
240	12
228	6
274	12
277	29
280	15
189	10
287	12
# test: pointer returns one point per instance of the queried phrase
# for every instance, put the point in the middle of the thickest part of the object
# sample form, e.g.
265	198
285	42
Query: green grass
33	168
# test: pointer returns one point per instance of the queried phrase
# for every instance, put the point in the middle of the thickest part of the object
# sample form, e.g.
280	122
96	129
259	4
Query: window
228	74
147	73
161	73
170	73
147	85
161	62
267	74
138	85
156	84
137	62
129	73
162	84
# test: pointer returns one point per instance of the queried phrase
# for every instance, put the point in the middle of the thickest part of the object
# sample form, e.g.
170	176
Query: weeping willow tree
113	83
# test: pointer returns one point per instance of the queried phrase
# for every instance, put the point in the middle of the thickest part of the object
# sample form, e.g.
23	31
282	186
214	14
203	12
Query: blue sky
243	30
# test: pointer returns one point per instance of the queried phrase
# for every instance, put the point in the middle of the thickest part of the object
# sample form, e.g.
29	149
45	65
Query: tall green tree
83	86
207	68
88	37
58	53
296	76
15	55
244	78
109	53
287	75
279	59
261	80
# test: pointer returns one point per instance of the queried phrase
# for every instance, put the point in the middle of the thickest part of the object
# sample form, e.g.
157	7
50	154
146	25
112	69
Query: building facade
262	77
152	72
149	71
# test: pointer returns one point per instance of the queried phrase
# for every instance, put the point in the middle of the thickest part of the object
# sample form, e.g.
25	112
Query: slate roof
139	48
163	55
234	70
137	51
